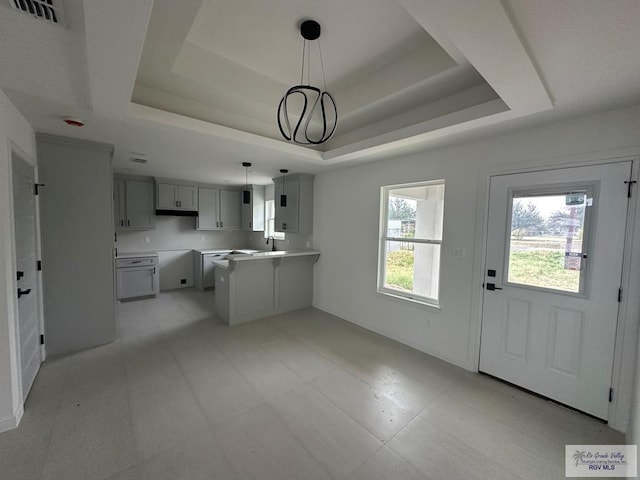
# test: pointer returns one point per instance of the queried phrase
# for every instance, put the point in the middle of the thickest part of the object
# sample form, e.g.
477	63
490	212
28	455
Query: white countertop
262	256
136	254
224	251
276	254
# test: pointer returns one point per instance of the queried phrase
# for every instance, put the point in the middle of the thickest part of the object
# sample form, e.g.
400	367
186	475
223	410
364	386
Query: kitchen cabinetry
176	197
133	204
137	277
253	212
203	267
219	209
297	215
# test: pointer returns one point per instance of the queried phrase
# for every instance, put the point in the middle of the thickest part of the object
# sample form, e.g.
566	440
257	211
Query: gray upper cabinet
297	215
219	209
176	197
253	212
133	204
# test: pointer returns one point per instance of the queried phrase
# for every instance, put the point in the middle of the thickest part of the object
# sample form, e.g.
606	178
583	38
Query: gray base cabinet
137	277
203	268
249	290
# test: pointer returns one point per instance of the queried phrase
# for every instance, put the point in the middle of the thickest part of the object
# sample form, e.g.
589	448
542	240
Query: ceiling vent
44	9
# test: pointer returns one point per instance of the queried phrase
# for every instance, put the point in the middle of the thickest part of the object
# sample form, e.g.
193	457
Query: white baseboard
13	421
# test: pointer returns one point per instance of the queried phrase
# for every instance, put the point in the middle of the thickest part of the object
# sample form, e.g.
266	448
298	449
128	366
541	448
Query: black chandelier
307	115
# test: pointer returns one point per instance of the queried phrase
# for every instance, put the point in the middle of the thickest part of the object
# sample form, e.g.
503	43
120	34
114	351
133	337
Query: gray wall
77	243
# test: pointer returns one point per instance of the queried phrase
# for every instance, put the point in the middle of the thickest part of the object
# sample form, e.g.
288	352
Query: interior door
554	261
24	211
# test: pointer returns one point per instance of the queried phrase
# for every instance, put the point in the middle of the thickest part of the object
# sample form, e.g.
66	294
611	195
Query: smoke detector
74	121
138	157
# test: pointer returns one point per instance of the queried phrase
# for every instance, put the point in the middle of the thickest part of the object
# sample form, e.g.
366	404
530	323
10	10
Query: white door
24	211
554	260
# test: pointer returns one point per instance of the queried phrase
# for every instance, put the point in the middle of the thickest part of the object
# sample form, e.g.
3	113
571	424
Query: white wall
178	233
16	134
346	212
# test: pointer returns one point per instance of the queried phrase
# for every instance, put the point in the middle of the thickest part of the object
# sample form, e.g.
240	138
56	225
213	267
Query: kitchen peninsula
257	285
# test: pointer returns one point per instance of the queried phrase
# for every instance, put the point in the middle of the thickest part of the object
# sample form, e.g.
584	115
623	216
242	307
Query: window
548	240
410	240
270	221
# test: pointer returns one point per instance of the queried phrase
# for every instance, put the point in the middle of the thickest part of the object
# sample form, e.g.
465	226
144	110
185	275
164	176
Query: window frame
383	239
267	225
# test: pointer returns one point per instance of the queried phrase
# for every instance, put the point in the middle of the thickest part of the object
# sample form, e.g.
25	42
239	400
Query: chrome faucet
273	243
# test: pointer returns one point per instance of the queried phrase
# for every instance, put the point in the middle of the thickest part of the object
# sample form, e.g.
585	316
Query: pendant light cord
322	66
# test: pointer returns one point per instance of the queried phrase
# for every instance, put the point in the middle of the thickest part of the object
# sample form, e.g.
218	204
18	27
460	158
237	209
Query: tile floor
300	396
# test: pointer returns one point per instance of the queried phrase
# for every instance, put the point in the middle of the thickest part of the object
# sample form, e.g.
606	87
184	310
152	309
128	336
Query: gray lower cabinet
203	267
137	277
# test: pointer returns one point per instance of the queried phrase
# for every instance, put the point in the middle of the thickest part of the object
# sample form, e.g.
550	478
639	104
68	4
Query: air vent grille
43	9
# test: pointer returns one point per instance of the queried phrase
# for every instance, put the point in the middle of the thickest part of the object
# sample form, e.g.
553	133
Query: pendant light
308	115
283	196
246	193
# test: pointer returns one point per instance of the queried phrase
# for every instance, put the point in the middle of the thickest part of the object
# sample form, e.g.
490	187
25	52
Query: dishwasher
137	277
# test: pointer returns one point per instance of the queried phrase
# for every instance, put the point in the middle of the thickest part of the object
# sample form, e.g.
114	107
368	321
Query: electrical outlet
307	245
147	239
458	253
183	281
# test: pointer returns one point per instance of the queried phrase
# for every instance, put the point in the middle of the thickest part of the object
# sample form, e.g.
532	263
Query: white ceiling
194	84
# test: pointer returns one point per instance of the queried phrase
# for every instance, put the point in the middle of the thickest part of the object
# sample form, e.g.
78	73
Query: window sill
418	302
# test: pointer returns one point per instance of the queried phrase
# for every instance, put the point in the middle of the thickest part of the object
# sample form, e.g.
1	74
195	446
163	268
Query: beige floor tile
222	392
200	458
268	375
376	412
94	376
149	360
92	440
387	465
195	351
131	473
165	414
259	446
402	388
506	445
438	454
306	362
330	435
144	406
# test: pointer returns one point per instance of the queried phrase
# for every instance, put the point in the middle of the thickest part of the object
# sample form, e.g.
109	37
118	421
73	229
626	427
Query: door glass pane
546	241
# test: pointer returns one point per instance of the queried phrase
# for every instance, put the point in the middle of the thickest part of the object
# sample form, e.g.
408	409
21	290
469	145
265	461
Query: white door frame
629	311
17	382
